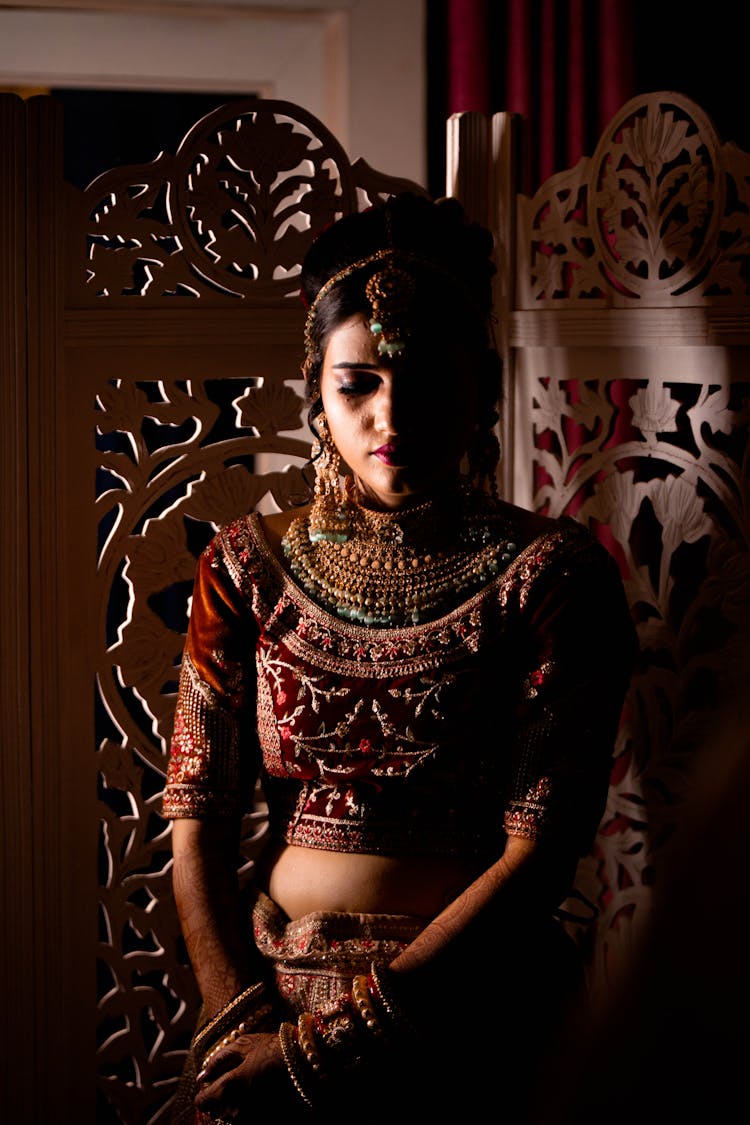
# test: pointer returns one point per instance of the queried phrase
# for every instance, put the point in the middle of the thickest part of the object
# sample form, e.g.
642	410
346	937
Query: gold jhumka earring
328	515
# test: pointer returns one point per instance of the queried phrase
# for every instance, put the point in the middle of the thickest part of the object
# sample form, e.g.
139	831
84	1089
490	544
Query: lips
391	454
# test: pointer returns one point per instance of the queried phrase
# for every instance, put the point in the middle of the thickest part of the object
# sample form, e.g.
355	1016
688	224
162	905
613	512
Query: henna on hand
206	893
246	1075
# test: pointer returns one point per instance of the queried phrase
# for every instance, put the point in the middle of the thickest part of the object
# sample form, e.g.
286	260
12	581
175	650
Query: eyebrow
348	366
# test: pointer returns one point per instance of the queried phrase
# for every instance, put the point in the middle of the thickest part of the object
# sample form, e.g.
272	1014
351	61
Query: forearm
525	884
426	990
207	899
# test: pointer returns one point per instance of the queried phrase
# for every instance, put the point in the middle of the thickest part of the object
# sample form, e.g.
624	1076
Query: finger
212	1095
219	1064
223	1098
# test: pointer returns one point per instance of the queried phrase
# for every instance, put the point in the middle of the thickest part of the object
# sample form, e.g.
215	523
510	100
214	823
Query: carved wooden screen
162	350
182	347
629	329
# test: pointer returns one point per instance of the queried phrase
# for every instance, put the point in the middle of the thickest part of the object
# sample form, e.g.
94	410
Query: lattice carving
229	215
660	215
672	493
651	450
176	460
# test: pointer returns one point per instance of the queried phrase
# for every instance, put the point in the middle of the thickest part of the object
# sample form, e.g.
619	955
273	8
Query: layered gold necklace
403	567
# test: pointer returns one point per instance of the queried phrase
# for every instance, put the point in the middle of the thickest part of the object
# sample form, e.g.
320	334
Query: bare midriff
304	880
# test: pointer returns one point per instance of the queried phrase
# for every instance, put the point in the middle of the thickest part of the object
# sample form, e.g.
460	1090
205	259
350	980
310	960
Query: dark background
702	53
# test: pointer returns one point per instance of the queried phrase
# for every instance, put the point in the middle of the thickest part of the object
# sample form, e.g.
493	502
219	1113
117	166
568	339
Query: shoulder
562	562
547	540
250	550
528	526
559	537
236	549
275	526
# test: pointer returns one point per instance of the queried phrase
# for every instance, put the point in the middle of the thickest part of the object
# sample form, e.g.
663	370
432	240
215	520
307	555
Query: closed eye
358	383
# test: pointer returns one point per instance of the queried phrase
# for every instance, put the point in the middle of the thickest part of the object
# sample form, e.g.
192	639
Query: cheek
344	420
451	414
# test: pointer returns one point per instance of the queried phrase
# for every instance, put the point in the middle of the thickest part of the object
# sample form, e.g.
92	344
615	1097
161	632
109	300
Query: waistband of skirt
334	936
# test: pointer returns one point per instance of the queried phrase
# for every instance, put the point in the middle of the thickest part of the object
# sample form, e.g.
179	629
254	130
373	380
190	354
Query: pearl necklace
401	567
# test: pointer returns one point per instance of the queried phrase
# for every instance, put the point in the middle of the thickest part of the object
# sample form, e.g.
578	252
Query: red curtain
565	66
468	56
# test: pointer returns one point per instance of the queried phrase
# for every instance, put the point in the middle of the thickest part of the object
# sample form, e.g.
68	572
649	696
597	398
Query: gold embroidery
341	708
203	773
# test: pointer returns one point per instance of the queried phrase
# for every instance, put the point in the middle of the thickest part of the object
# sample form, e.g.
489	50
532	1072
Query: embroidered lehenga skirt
313	960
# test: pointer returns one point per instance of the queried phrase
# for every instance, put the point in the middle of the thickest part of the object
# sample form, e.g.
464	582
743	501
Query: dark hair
452	265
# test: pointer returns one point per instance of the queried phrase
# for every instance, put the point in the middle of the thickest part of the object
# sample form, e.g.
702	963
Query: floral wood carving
229	215
175	461
659	215
670	498
655	463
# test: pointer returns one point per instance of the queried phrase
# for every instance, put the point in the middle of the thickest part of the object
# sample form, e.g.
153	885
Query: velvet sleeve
577	644
214	755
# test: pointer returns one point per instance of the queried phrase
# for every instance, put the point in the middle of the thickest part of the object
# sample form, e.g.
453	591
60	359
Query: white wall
357	65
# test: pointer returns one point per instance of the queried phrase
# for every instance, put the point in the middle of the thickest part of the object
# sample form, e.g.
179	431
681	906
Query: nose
394	410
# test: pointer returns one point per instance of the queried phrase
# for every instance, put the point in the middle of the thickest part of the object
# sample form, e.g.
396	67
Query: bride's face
401	426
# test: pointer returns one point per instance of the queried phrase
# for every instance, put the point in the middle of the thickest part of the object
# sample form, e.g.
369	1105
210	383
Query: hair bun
437	230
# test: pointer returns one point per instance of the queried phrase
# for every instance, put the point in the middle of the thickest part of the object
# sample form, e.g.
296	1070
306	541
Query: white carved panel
175	461
658	216
631	343
228	217
657	466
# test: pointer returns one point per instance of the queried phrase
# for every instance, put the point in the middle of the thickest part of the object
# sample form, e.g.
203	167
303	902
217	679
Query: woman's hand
249	1075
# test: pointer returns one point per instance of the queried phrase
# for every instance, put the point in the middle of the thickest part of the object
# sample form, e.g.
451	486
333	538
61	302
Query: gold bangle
306	1040
291	1052
392	1009
223	1020
363	1003
242	1029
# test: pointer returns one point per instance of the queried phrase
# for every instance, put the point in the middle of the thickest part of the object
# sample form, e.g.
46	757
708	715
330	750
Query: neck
446	494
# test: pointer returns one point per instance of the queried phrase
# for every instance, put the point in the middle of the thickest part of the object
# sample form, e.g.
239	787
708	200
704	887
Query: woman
427	681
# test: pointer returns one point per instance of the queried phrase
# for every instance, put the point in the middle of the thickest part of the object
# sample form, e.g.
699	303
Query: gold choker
402	567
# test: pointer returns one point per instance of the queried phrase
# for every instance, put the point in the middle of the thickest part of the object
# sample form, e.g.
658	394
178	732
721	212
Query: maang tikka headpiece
390	292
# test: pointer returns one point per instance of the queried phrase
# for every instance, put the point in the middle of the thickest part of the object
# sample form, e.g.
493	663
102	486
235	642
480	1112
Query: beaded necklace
402	567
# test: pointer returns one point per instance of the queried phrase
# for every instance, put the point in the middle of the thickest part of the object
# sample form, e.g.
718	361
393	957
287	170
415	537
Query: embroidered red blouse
498	718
